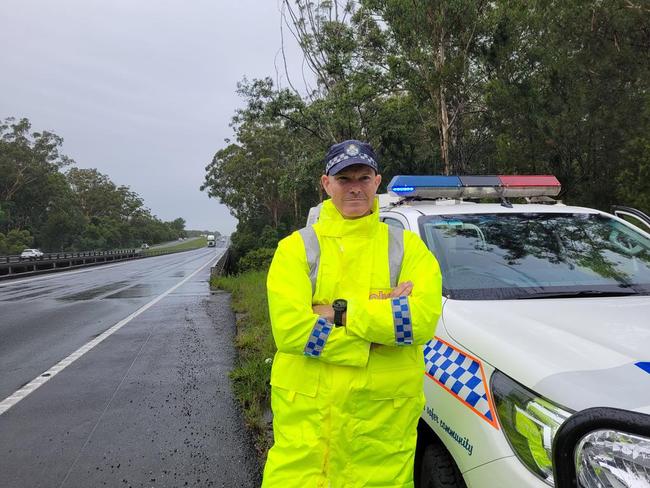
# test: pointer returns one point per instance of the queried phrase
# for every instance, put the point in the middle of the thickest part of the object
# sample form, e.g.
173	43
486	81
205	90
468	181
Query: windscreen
537	255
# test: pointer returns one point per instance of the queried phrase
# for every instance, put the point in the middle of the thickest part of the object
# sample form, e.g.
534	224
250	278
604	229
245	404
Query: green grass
181	246
254	341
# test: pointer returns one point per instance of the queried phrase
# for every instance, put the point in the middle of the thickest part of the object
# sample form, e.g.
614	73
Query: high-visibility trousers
341	437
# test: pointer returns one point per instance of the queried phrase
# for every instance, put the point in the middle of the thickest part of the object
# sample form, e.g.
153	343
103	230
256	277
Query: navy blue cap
347	153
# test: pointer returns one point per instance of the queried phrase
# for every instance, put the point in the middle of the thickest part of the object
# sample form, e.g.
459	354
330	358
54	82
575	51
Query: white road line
46	376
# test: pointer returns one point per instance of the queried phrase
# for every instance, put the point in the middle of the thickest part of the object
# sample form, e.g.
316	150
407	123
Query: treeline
446	87
48	203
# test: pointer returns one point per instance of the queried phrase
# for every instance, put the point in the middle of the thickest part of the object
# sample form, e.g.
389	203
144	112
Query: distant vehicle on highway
211	241
31	254
145	245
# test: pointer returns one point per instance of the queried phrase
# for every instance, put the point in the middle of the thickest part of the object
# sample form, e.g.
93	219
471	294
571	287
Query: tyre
436	468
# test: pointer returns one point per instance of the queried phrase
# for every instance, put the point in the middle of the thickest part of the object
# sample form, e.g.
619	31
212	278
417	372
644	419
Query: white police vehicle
539	373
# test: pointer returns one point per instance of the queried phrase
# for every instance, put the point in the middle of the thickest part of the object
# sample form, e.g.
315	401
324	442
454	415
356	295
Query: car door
632	215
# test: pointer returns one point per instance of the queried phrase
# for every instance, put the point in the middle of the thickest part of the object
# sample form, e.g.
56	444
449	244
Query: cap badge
352	150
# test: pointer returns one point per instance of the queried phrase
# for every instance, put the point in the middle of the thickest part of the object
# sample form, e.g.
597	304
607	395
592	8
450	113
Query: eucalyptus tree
29	173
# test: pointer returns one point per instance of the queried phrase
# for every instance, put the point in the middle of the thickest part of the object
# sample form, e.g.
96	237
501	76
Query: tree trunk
438	92
295	205
443	113
443	129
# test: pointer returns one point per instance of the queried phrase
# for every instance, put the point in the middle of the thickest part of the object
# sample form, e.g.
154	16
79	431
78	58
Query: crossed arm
327	312
407	318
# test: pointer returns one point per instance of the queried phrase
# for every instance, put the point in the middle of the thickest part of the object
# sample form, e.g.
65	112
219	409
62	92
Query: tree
80	209
268	168
178	227
438	44
97	195
63	222
467	87
15	241
568	95
29	164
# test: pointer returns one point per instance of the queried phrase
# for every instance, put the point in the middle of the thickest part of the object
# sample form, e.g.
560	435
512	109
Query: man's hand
404	289
325	311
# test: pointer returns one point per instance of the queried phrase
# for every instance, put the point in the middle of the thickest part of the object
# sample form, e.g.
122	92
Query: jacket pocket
294	373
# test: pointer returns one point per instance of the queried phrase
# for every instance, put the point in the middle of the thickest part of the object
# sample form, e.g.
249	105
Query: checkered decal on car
461	375
318	338
402	320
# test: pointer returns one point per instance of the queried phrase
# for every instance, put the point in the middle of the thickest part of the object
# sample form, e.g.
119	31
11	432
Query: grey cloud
142	90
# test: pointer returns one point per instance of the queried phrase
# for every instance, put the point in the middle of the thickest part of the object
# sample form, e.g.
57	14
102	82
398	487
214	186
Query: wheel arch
452	477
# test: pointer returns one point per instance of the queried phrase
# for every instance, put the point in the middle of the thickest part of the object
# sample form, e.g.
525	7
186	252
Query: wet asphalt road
149	406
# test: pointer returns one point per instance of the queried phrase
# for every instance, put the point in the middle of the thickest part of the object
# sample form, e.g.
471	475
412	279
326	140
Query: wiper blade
579	294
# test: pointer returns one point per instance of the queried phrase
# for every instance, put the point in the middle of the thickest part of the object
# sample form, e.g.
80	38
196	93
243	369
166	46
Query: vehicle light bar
474	186
530	186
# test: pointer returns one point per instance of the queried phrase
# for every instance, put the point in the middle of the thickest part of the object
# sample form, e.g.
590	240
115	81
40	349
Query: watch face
339	304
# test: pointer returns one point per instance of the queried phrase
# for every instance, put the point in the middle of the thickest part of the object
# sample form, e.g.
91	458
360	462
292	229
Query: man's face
352	190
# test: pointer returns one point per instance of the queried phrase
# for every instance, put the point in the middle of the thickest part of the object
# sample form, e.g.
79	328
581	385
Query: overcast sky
142	90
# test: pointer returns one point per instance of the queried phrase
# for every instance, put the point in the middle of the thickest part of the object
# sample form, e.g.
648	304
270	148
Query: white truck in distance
211	241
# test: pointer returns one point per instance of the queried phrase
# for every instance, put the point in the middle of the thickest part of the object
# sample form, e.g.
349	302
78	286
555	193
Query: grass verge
181	246
254	341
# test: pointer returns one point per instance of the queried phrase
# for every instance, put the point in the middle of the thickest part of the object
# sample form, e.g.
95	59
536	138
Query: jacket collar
331	222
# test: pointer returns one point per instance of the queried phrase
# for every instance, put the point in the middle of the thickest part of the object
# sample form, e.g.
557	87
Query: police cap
347	153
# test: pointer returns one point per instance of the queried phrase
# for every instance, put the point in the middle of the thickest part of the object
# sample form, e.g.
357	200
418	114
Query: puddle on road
93	292
16	297
178	274
136	291
10	288
31	287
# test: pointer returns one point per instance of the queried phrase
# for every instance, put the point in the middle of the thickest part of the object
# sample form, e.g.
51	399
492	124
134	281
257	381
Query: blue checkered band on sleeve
402	321
318	338
459	374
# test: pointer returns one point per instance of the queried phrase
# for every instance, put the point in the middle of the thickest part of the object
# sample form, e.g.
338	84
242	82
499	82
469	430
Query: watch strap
338	318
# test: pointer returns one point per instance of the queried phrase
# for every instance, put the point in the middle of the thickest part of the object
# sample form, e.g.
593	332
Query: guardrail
14	266
222	265
64	255
11	266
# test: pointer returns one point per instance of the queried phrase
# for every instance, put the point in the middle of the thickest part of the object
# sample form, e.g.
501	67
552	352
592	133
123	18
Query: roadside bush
257	259
15	241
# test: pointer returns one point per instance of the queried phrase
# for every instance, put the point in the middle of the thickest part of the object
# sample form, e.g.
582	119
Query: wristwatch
339	307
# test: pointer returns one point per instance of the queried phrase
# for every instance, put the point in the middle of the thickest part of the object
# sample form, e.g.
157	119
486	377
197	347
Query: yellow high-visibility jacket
346	400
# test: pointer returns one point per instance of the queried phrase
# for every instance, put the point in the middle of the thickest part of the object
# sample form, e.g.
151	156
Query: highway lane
149	406
43	319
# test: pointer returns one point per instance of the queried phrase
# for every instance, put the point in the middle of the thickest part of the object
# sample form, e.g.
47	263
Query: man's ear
325	183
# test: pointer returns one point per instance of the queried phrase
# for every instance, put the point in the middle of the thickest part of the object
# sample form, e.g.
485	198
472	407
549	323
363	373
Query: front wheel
437	469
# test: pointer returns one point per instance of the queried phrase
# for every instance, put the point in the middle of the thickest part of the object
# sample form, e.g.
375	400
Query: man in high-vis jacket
351	302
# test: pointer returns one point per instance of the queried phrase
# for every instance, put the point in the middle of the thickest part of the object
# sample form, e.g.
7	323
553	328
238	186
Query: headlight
529	422
613	459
